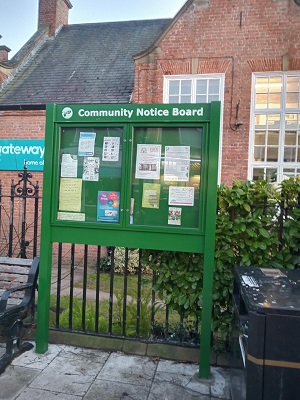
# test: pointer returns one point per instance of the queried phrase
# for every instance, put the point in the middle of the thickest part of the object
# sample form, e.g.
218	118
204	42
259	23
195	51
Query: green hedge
258	224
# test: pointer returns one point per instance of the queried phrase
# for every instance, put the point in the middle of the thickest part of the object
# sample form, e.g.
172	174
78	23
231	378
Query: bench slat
6	269
16	261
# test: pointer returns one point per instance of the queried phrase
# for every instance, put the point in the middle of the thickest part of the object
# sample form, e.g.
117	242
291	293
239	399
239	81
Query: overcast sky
18	18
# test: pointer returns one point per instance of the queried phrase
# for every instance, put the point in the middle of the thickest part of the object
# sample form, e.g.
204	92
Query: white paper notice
181	196
177	163
69	165
86	145
91	169
148	161
70	216
111	146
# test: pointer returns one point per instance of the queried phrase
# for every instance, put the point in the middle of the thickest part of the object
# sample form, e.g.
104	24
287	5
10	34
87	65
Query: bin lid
267	290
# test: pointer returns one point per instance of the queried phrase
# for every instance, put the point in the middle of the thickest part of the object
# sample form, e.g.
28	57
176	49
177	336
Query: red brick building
244	53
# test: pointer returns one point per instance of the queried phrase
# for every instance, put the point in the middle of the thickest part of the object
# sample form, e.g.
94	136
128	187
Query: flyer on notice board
148	161
91	169
69	164
86	145
174	216
151	195
108	206
181	196
70	194
177	163
111	147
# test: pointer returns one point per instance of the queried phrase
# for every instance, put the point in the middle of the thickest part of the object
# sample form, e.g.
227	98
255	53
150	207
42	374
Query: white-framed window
193	88
274	146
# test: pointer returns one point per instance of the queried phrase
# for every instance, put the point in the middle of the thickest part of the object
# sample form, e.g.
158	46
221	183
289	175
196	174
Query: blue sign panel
14	153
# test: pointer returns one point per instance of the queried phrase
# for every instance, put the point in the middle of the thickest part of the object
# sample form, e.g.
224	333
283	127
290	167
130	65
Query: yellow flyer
151	195
70	194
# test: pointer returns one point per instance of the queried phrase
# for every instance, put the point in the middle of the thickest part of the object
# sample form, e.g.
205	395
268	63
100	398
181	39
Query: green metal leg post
205	342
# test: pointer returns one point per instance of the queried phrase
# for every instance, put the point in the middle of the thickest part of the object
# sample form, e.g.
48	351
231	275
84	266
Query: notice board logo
67	113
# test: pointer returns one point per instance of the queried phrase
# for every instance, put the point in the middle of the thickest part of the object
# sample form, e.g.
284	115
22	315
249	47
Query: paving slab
108	390
38	394
134	370
72	373
14	380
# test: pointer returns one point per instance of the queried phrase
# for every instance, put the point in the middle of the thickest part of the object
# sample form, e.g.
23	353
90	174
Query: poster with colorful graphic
174	216
108	206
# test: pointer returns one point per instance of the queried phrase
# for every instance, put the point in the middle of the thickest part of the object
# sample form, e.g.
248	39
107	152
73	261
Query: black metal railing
112	301
97	290
19	217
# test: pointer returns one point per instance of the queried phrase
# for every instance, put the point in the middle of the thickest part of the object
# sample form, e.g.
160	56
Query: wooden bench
18	282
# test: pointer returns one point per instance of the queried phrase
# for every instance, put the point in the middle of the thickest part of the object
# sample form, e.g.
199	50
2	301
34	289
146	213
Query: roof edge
33	43
164	33
68	3
20	107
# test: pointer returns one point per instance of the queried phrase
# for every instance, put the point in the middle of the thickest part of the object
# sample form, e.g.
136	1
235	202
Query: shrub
257	225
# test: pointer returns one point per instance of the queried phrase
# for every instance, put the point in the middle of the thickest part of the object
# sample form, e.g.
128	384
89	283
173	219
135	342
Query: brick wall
232	37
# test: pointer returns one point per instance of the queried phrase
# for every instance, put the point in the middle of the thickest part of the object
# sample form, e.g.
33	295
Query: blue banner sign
14	153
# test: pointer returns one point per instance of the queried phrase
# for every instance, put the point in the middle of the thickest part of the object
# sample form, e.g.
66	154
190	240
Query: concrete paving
72	373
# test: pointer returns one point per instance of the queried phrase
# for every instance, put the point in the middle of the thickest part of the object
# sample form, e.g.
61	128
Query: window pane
174	87
290	138
298	155
292	84
289	154
213	97
261	101
213	87
260	121
259	153
174	99
201	86
292	100
271	174
273	138
262	85
275	84
186	99
275	100
272	154
186	87
260	138
258	173
201	99
274	121
291	121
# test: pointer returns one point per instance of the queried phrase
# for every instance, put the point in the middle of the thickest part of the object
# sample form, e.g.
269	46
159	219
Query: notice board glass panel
90	174
165	177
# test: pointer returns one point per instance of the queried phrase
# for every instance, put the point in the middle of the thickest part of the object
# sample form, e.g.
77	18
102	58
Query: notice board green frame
131	175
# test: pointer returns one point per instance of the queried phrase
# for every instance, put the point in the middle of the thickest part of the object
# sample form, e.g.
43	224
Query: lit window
275	127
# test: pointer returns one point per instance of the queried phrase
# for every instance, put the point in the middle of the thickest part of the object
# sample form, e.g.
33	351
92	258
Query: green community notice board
131	175
130	171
